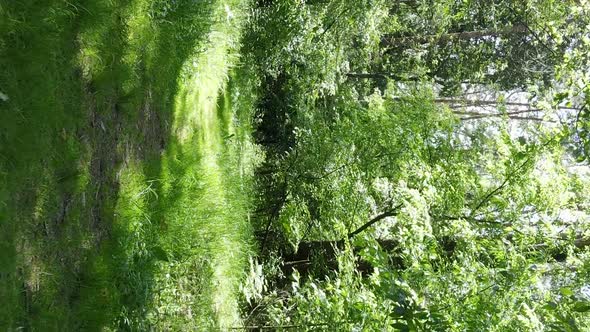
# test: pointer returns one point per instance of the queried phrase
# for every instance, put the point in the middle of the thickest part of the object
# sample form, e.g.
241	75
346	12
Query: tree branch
376	219
382	76
500	187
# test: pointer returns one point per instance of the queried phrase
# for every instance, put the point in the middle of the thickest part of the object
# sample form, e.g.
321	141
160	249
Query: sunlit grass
123	194
208	219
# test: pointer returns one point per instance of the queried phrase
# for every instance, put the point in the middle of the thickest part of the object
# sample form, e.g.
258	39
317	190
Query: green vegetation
426	166
325	165
124	199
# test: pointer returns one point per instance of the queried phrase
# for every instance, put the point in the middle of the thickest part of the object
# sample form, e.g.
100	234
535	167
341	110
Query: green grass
125	165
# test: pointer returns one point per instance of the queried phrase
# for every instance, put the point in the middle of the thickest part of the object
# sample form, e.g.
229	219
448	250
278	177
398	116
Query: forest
295	165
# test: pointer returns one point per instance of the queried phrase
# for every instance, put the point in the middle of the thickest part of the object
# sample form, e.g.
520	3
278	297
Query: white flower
3	96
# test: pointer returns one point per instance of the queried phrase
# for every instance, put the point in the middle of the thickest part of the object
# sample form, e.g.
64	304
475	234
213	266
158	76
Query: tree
498	42
435	209
403	208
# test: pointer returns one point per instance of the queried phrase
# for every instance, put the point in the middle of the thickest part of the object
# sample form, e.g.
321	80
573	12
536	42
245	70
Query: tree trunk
460	102
382	76
388	41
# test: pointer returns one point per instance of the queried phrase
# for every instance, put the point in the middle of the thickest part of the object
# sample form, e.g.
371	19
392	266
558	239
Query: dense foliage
325	165
422	167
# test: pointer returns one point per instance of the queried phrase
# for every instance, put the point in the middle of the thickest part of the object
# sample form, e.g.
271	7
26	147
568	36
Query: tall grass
124	173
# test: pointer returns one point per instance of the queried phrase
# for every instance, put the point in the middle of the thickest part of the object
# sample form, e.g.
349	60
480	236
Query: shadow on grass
90	88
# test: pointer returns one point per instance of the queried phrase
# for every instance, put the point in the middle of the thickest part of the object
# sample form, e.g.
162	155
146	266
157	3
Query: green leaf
160	254
401	326
560	97
581	306
566	291
550	306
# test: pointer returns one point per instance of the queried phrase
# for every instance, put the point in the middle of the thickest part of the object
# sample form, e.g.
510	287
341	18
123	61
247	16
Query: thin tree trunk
392	41
483	114
524	118
376	76
476	102
462	103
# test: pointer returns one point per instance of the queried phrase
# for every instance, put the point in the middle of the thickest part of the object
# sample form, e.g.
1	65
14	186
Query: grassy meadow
125	165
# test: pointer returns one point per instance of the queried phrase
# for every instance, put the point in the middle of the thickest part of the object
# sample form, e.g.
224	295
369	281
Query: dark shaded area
320	257
274	111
